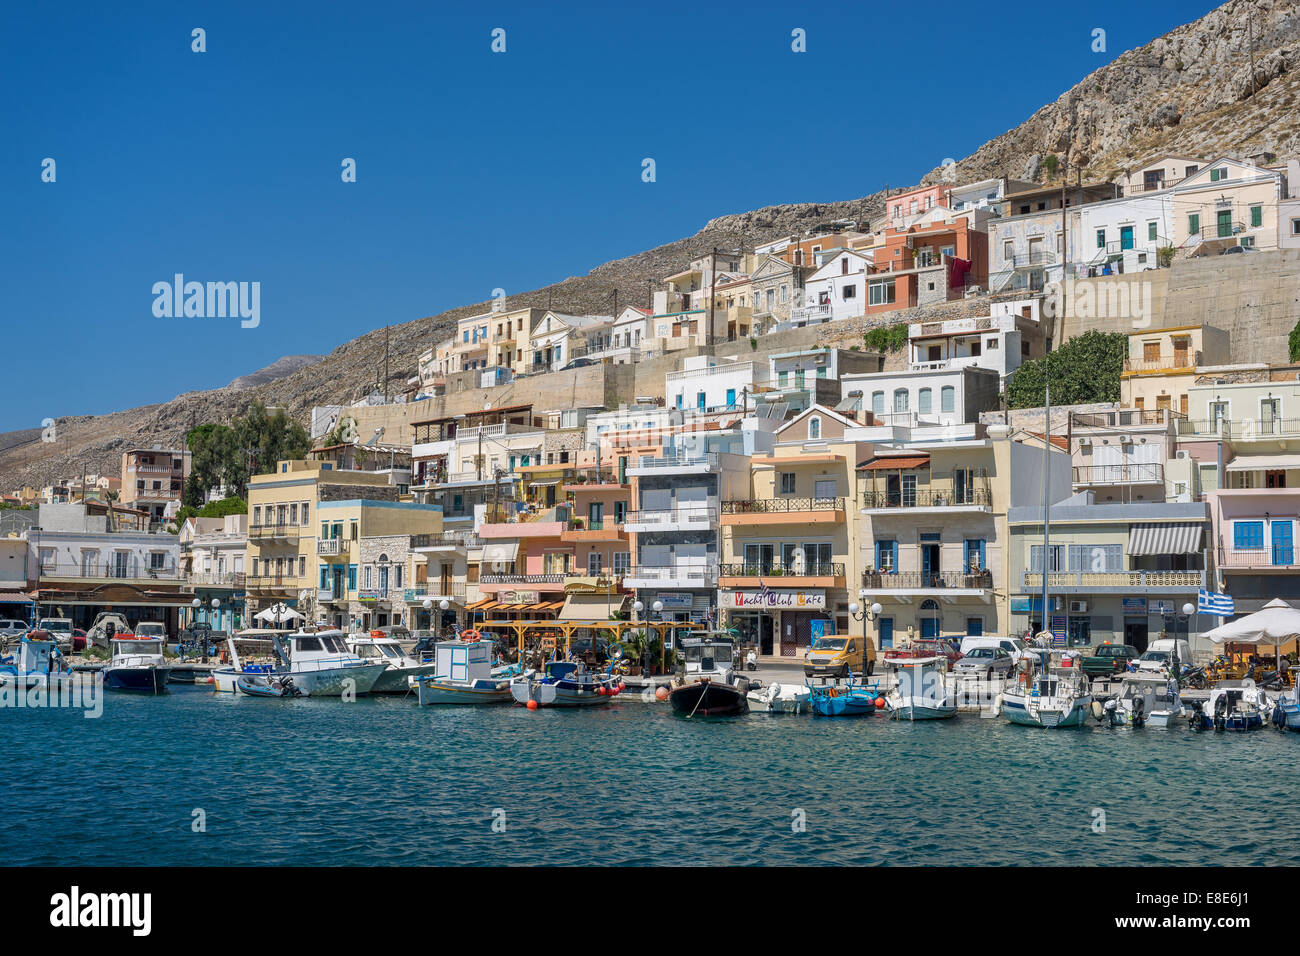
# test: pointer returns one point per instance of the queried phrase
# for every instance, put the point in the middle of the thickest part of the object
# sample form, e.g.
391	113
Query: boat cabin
708	656
308	650
377	647
35	654
463	661
132	651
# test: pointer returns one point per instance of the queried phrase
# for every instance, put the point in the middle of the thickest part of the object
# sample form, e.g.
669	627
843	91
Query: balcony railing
703	516
929	498
1243	429
269	531
331	546
133	571
697	575
417	594
918	580
1033	580
1040	257
229	579
264	581
1126	417
1187	359
707	460
780	505
774	569
459	539
1281	556
523	578
1141	473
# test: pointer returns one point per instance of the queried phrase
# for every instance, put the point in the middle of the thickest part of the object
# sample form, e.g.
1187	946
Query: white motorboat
402	668
922	691
320	665
137	664
1286	710
35	664
1234	705
1056	693
1147	697
461	674
778	698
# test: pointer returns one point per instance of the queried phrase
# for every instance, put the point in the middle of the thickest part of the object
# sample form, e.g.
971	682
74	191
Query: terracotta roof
897	461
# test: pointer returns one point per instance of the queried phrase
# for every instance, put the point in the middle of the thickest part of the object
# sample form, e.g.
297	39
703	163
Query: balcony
1177	362
1126	418
273	532
1240	429
272	582
329	547
445	541
920	499
673	576
1113	582
1029	260
673	519
819	574
452	591
584	529
553	581
132	571
679	464
811	314
1279	558
766	511
1142	473
217	579
955	583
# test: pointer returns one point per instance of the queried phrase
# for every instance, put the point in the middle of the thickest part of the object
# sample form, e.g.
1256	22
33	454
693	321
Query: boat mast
1047	464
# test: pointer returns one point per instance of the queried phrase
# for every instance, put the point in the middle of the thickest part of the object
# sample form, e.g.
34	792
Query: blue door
1126	237
1283	544
929	627
886	632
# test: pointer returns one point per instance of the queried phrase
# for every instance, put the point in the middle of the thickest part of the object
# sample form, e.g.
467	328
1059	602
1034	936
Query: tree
269	437
1083	370
225	456
1294	343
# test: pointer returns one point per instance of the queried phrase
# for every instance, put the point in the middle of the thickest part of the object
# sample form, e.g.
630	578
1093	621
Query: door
929	562
1268	415
1283	546
1224	222
886	626
1126	237
1135	632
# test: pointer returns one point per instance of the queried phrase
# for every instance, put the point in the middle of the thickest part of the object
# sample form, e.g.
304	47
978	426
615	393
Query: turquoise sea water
381	781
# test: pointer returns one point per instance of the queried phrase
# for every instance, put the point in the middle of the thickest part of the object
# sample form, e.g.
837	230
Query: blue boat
850	699
565	684
1234	705
36	664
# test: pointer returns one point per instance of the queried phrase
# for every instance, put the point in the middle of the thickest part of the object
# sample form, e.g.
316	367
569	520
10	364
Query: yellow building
1161	364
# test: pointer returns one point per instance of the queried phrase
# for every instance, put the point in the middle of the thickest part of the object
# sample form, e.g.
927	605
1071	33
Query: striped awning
1172	538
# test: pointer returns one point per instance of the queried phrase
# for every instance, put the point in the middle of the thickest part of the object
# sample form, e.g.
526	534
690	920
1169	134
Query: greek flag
1211	602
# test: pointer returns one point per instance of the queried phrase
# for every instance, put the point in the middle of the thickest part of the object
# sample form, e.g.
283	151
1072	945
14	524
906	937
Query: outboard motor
1221	712
1195	717
1139	711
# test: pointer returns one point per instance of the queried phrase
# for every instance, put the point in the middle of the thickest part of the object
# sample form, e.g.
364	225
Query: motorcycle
751	660
1194	677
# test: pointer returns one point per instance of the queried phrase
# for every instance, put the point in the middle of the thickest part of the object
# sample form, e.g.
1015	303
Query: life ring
469	634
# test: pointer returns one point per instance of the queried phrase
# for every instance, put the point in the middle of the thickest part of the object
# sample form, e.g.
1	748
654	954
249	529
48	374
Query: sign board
1134	605
777	598
676	600
1162	607
518	597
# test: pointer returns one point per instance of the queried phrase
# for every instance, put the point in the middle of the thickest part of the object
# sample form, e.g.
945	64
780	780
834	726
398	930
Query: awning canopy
278	613
591	607
1172	538
1256	462
503	551
889	463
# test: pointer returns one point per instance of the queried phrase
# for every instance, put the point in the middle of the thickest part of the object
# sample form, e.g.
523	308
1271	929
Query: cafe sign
779	598
518	597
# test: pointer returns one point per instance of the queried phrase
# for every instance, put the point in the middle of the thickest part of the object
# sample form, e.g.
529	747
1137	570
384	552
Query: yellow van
835	655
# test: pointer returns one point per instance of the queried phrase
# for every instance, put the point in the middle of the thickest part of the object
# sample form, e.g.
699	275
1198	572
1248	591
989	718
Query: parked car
60	629
1236	250
1107	659
11	628
926	647
838	655
984	662
1014	646
579	363
1158	654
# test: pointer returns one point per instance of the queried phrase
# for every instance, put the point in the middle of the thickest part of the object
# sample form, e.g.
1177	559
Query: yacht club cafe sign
777	598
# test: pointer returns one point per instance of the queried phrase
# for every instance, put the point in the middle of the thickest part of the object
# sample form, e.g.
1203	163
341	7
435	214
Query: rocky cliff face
1193	90
1226	83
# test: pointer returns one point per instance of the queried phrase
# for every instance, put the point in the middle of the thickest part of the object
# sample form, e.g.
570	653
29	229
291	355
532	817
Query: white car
11	628
152	630
1014	646
1157	655
60	629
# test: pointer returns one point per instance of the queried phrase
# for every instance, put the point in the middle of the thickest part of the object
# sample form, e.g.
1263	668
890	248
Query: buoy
622	686
880	703
661	693
531	705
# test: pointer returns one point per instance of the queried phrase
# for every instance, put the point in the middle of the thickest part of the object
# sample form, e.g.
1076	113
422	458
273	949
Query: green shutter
1256	216
1194	224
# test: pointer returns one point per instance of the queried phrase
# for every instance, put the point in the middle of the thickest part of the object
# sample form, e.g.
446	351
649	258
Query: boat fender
1099	709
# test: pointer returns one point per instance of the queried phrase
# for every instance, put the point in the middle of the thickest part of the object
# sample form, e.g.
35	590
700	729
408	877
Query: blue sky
475	170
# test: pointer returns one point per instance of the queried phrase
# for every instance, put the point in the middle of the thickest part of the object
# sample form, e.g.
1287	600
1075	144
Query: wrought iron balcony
741	506
918	580
929	498
774	569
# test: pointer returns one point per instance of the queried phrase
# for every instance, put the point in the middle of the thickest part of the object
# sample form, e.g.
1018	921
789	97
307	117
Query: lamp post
864	614
1189	609
443	605
658	608
637	608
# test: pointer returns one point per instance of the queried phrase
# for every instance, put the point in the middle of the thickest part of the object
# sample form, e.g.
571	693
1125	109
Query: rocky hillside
1192	90
277	369
1226	83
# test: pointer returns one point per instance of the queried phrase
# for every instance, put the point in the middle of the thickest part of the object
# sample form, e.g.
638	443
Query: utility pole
713	284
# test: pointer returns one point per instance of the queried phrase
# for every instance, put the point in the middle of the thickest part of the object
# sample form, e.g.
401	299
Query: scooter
751	660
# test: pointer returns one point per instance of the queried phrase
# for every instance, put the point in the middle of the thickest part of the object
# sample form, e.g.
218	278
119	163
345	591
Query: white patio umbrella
1275	623
277	613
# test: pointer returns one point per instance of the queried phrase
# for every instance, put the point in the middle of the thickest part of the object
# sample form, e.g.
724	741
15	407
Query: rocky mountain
1225	83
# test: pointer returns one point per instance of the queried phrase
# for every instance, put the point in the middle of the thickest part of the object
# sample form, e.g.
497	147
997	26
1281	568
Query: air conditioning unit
1085	441
1078	607
1182	453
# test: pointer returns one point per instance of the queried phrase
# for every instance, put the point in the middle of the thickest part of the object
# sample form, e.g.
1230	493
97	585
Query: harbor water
194	778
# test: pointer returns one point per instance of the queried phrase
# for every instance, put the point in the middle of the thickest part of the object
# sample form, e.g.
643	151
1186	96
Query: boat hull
432	692
1022	710
1234	722
1286	716
908	710
151	680
708	699
781	702
336	681
34	679
396	680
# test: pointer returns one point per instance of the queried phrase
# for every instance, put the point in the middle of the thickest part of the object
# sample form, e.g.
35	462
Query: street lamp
861	613
1188	609
658	608
194	615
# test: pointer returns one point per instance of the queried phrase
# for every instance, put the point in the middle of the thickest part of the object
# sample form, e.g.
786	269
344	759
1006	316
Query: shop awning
1172	538
1257	462
591	607
502	551
480	604
547	483
889	463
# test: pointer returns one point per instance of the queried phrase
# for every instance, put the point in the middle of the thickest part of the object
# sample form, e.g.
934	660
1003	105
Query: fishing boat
778	698
320	665
1286	710
402	667
1054	692
847	699
251	651
35	663
709	687
461	674
1234	705
137	664
922	691
1145	698
564	684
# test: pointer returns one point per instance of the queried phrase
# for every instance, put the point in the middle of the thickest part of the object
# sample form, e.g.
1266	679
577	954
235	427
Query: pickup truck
1108	659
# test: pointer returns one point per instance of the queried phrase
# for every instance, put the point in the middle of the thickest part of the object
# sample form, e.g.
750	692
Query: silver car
984	662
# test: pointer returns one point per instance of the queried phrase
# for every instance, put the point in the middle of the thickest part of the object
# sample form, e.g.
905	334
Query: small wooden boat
35	664
922	691
710	687
848	699
565	684
780	698
461	674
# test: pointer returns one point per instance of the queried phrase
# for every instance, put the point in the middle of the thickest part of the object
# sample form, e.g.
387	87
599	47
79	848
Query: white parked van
60	629
1156	656
1012	645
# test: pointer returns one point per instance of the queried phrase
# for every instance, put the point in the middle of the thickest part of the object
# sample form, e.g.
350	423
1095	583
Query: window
824	488
877	403
975	553
1248	535
850	291
783	378
1295	227
367	575
947	399
974	627
1256	216
814	427
881	293
1151	231
1218	174
923	401
622	562
1096	558
1057	562
787	482
1008	250
900	400
886	556
1101	238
